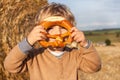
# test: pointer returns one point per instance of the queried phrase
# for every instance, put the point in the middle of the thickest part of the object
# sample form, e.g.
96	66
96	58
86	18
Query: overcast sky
94	14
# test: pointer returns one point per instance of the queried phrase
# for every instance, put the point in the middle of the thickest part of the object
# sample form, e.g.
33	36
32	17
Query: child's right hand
36	34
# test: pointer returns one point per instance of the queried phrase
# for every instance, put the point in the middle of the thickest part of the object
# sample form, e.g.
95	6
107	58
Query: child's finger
40	29
73	34
73	29
42	36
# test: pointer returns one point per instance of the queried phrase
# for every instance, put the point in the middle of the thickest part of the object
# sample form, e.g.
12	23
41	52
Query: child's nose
57	30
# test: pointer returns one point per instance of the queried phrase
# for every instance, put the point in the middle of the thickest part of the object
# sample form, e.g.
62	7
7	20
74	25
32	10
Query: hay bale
16	20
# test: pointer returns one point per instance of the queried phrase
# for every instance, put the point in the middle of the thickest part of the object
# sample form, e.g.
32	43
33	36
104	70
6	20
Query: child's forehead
56	28
54	18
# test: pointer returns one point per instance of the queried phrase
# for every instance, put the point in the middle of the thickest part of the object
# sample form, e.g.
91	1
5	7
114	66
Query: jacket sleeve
15	62
88	59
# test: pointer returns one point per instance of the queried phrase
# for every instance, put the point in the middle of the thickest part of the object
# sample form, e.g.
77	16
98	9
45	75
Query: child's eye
62	27
49	29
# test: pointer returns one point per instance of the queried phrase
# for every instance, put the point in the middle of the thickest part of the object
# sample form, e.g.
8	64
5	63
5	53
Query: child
53	63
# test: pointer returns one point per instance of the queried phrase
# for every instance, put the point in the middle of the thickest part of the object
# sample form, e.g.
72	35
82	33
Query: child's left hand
78	36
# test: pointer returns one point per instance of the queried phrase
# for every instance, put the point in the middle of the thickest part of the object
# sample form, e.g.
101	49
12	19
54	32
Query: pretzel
59	42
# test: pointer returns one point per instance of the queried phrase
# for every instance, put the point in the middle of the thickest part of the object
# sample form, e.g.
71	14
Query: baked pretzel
59	42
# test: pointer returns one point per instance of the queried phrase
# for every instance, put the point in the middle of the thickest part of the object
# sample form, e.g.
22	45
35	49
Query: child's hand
78	36
36	34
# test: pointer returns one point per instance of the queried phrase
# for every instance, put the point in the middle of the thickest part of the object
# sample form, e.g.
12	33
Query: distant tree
108	42
90	33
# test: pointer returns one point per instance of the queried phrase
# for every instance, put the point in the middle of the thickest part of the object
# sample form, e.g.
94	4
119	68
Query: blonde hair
55	9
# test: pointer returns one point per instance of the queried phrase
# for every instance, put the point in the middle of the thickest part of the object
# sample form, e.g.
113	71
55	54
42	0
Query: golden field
110	56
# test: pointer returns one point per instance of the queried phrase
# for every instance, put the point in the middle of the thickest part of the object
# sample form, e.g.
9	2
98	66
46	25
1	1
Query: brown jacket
44	66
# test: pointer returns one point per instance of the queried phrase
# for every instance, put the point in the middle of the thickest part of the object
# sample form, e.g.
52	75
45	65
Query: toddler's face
56	30
53	31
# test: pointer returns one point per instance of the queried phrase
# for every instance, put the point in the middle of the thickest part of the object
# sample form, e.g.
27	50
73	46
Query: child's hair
55	9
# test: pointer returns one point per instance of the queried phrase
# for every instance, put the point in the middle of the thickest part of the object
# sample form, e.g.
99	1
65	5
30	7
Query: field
110	56
101	35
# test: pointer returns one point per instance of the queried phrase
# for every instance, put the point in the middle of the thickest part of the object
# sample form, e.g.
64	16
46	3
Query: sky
94	14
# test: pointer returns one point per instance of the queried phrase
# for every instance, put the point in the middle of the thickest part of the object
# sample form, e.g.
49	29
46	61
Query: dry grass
110	56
